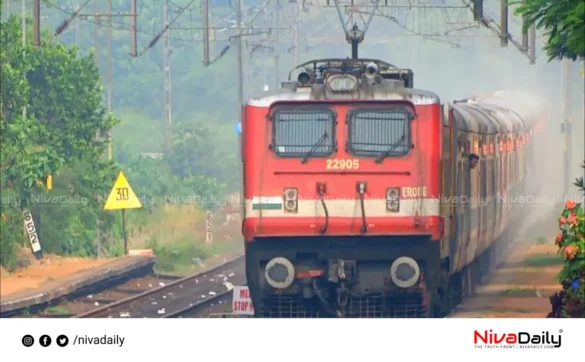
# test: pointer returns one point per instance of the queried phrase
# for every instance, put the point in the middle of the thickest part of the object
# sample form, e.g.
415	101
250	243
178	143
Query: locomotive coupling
371	70
405	272
279	273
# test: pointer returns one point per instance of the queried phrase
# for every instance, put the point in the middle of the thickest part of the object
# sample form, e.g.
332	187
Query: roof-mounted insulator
61	28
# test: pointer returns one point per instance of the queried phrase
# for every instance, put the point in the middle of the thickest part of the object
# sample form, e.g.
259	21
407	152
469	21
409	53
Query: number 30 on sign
122	193
122	196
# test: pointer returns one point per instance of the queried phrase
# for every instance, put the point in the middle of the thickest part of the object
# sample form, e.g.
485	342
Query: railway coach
359	198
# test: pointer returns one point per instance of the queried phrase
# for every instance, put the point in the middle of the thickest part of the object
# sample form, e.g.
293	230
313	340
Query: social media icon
62	340
45	340
28	340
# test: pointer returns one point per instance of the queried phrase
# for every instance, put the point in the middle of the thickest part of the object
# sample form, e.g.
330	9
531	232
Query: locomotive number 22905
336	164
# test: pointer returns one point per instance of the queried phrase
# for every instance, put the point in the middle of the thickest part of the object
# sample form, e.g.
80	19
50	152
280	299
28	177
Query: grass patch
520	292
510	310
541	240
57	309
176	234
166	224
26	313
188	255
541	261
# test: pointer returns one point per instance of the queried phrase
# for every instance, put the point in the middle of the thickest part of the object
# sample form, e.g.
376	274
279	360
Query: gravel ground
179	296
223	307
519	288
222	304
89	302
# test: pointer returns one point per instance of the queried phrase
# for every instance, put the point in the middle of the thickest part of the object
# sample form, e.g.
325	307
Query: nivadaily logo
489	339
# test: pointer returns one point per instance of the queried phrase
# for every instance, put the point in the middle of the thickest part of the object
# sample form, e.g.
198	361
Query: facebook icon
45	340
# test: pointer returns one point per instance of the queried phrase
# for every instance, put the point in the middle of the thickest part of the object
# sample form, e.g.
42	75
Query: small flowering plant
571	243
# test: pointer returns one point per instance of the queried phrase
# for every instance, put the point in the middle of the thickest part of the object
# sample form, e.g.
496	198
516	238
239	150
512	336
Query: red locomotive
359	196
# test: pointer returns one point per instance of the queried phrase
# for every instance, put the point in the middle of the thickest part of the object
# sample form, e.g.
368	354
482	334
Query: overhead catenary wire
161	33
118	25
181	10
121	26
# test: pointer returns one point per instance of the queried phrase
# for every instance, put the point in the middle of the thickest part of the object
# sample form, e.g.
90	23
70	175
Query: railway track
105	295
76	301
219	303
184	296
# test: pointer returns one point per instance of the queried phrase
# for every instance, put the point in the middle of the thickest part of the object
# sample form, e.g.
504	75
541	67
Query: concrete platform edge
83	279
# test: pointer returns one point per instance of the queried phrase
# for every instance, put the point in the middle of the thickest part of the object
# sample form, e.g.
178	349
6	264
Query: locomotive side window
303	132
373	132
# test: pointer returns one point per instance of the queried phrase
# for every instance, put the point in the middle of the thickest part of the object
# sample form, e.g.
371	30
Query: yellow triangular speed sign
122	196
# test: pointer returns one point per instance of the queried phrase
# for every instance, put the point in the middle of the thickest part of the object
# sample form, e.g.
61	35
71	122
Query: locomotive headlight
392	199
341	83
404	272
291	200
279	273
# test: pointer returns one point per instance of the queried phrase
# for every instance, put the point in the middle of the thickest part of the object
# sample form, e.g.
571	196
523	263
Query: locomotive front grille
407	306
402	306
287	307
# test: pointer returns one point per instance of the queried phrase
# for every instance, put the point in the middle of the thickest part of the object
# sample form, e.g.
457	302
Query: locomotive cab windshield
365	104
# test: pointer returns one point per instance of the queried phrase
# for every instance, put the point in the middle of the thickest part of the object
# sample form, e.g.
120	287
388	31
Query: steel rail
193	309
151	292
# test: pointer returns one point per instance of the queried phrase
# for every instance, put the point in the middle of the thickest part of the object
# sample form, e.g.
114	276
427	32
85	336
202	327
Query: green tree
62	95
563	22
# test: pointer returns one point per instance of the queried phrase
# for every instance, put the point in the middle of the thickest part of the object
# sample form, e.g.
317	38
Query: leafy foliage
571	242
62	95
563	22
62	92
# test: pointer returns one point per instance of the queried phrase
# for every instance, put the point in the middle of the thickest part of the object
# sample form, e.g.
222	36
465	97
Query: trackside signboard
241	302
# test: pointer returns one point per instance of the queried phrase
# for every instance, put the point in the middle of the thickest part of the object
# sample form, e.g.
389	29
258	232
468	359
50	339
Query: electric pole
109	60
296	53
167	79
96	40
529	37
96	35
503	23
532	54
524	35
36	23
240	67
76	27
205	20
23	19
277	46
566	128
133	36
109	74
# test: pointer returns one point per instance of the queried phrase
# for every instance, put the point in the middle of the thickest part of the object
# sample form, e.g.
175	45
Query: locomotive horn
371	70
